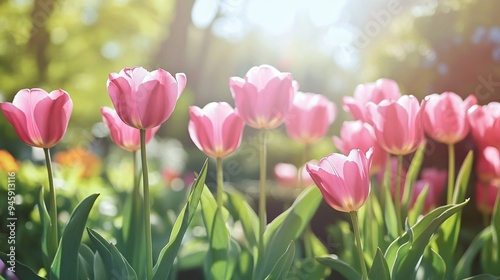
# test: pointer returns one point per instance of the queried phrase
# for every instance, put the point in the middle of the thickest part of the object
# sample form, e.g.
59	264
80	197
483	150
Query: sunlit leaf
463	268
333	262
379	269
280	270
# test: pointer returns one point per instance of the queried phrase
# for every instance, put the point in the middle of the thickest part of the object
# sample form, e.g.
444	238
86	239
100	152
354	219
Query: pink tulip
145	99
126	137
436	180
310	117
216	129
488	164
286	175
445	116
486	196
382	89
39	118
398	124
264	97
360	135
343	180
485	124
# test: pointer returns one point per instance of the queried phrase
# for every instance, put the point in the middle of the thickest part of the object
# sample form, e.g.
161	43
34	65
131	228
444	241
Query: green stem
262	193
451	173
355	226
220	179
54	240
147	210
386	181
397	199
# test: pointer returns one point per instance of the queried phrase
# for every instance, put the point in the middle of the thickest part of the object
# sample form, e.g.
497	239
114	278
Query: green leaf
287	227
495	230
379	269
21	270
463	178
66	258
333	262
411	177
390	216
244	265
100	273
432	266
409	255
47	253
280	270
242	211
463	268
85	262
163	267
218	263
418	206
483	277
115	264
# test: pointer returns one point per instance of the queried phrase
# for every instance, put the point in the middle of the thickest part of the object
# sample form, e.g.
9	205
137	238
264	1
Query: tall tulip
360	135
40	120
145	100
445	120
344	182
123	135
485	124
309	118
216	130
375	92
263	99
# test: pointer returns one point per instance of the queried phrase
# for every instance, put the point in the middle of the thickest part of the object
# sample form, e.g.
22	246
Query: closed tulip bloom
360	135
39	118
343	180
216	129
375	92
125	136
145	99
488	164
436	180
486	196
398	124
445	116
264	97
310	117
485	124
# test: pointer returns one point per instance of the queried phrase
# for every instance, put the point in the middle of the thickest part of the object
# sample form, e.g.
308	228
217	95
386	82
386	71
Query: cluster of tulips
399	227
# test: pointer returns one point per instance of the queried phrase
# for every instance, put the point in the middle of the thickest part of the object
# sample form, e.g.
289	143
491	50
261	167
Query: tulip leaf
379	269
66	258
409	254
244	265
86	261
432	266
389	210
99	270
22	271
418	207
463	268
165	262
446	241
495	227
281	268
287	227
483	277
47	254
333	262
411	177
114	262
242	211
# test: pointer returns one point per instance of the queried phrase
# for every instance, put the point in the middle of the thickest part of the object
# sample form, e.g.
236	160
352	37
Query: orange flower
89	163
7	162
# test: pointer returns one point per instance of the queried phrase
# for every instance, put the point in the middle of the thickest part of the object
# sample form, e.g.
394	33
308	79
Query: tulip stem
355	226
262	194
54	240
397	198
451	173
220	179
147	210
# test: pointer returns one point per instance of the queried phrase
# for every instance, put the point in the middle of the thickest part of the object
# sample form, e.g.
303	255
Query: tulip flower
382	89
486	196
309	118
123	135
344	182
436	180
360	135
216	129
485	124
488	164
263	97
445	116
39	118
145	99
